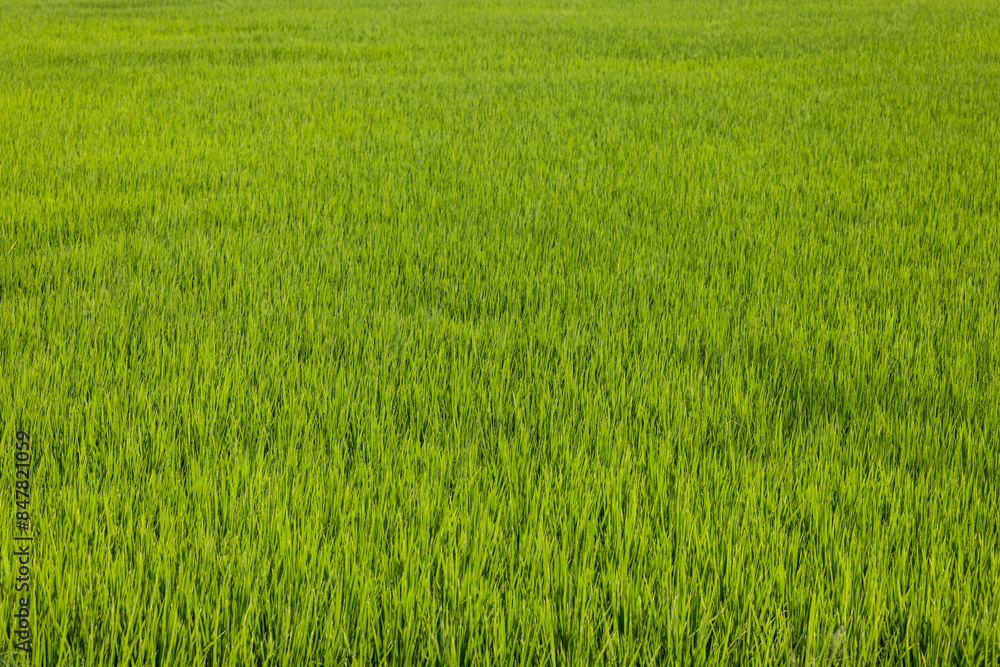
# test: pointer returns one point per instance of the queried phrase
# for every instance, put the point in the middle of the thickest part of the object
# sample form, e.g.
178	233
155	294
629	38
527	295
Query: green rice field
502	332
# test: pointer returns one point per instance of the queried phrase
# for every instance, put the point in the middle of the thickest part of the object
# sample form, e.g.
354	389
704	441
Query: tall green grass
502	333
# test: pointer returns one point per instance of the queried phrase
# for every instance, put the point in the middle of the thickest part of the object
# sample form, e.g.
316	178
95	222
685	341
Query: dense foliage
504	332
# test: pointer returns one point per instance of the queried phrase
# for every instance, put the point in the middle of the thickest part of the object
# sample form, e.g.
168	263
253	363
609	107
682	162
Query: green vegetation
496	333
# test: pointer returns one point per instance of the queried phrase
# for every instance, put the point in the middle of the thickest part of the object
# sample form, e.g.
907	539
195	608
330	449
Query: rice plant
503	332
